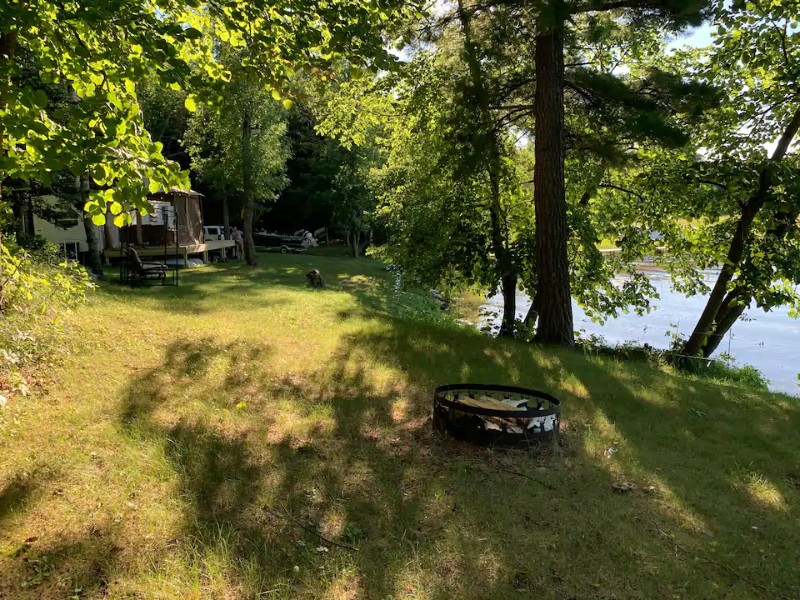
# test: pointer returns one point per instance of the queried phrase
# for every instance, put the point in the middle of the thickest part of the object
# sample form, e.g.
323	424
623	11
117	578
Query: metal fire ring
473	411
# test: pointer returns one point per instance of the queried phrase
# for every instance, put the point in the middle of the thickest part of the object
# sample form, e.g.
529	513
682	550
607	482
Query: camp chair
145	270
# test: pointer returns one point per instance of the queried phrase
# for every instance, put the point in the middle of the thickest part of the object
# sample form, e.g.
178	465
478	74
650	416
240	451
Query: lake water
770	341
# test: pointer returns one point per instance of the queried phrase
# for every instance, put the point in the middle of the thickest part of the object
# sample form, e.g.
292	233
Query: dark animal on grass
315	279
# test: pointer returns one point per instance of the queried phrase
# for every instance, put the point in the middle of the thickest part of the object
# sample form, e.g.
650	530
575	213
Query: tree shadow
77	566
717	478
729	462
14	495
328	481
282	469
326	458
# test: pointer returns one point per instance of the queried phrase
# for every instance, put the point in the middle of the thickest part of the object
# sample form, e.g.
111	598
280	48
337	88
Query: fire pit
495	413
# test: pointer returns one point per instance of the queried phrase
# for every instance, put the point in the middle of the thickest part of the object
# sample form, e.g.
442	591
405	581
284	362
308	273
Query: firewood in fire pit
515	425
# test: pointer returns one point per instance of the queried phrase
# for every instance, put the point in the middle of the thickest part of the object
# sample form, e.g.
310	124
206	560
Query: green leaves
219	148
40	96
101	51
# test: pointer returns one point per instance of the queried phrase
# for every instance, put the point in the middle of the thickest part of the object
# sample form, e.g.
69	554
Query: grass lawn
191	439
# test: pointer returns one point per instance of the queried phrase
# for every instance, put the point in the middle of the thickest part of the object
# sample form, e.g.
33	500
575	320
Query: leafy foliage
435	188
729	198
36	289
213	139
102	49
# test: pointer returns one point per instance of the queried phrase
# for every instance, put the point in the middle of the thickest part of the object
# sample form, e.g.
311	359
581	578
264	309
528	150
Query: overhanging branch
622	189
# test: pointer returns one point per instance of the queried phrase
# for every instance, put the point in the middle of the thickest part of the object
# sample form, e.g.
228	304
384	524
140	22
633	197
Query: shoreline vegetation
244	434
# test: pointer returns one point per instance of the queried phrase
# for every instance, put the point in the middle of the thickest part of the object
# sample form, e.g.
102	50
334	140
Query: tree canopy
102	49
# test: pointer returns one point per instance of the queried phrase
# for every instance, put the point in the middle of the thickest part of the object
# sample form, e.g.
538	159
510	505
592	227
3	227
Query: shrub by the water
723	367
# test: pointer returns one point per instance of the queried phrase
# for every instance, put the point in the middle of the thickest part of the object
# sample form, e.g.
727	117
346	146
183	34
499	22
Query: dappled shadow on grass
270	465
723	472
75	566
202	289
330	451
347	450
14	495
728	458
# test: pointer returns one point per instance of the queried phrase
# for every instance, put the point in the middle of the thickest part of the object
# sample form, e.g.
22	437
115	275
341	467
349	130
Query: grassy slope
186	426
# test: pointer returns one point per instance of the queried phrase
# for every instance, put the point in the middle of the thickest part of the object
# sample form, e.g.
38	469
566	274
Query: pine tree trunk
553	299
723	308
93	260
247	187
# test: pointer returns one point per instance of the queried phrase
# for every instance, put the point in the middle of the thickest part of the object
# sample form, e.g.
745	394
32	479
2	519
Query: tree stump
315	279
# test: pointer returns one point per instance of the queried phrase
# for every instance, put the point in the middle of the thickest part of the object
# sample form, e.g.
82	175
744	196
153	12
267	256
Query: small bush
726	368
35	291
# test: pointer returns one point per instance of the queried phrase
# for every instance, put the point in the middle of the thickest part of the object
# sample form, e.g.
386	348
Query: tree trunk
487	146
728	315
247	187
531	316
27	216
108	237
508	324
704	330
22	211
93	260
226	215
553	299
226	221
723	308
139	232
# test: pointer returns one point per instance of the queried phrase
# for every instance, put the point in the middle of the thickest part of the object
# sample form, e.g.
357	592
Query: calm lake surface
770	341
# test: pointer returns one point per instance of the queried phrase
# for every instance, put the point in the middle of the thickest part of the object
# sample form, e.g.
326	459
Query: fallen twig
528	477
722	566
296	523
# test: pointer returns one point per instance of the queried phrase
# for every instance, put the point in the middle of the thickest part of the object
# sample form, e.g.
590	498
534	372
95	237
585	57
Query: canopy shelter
185	219
174	227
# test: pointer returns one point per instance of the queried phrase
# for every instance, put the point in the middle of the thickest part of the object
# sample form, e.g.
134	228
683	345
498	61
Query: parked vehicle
299	242
213	232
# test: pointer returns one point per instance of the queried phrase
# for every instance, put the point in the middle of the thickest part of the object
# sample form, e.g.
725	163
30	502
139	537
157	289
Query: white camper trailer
67	231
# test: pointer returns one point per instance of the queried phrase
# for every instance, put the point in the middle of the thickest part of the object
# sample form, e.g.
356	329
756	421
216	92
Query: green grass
187	432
